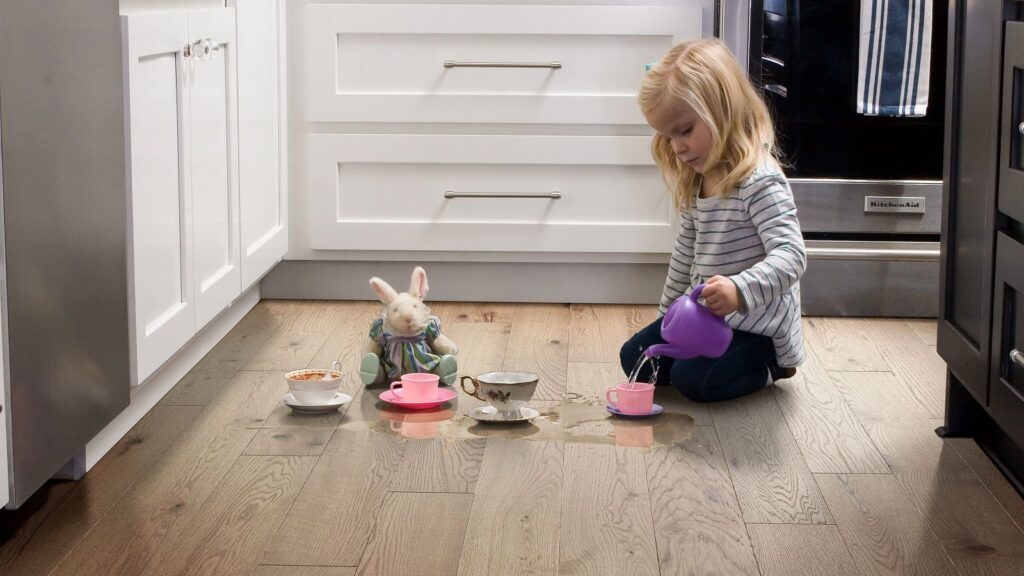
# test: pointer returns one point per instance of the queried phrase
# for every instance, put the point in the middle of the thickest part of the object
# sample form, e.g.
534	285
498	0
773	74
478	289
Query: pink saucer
655	410
443	395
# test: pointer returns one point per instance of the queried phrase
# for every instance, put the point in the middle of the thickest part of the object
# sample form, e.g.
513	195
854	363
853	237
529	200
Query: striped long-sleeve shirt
752	236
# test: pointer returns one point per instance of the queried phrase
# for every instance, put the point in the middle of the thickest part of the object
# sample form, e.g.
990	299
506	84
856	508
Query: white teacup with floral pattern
506	391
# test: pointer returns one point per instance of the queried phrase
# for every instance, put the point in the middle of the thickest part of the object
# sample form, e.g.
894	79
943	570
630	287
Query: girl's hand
721	295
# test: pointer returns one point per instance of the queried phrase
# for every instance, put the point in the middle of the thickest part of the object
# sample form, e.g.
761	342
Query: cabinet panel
262	181
545	64
1011	166
160	188
433	192
969	191
213	135
1007	362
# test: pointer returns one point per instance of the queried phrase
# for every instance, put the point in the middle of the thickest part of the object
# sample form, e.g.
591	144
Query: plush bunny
406	338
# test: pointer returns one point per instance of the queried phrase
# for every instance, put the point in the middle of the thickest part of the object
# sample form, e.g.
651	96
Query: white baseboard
146	395
581	283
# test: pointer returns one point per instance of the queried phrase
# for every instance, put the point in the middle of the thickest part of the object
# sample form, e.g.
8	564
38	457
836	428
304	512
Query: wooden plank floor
836	471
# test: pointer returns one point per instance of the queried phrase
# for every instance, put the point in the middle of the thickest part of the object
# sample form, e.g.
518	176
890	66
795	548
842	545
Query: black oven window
806	64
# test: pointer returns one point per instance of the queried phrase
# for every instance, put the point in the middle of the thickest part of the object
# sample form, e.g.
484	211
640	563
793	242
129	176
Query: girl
739	234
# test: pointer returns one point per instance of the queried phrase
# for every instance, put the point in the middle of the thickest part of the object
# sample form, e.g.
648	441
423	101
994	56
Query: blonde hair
704	75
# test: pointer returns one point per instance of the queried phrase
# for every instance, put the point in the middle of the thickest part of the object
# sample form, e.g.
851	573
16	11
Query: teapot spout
666	350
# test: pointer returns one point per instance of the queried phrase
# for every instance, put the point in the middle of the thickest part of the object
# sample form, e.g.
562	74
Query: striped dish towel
895	53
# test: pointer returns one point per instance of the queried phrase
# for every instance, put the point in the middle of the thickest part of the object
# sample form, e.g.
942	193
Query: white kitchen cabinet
261	125
509	128
183	186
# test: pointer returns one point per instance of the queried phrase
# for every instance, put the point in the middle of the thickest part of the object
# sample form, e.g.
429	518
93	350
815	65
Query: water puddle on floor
572	421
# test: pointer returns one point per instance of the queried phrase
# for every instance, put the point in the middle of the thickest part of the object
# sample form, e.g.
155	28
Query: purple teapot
691	330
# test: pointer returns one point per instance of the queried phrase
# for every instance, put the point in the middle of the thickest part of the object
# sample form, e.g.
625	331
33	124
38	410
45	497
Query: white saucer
490	414
339	400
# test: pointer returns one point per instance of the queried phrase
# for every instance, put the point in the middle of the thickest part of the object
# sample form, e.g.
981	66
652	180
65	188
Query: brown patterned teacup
506	391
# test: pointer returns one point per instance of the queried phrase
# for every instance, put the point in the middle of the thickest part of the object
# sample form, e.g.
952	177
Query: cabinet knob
202	49
1017	357
1020	128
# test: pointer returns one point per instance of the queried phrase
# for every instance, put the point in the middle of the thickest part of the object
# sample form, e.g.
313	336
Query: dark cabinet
981	311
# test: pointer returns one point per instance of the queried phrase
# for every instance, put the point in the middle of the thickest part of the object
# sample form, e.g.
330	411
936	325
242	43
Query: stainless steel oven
868	188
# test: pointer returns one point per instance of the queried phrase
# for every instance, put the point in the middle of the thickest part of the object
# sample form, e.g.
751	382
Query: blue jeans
744	368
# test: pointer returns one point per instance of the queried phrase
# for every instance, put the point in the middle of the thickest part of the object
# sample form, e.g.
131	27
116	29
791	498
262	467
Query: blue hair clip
647	67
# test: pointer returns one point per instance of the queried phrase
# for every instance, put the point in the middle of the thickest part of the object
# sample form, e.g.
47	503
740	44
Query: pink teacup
416	387
632	397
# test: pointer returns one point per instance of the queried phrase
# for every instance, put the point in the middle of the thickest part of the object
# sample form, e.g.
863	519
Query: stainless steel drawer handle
1017	356
777	89
880	254
454	64
543	195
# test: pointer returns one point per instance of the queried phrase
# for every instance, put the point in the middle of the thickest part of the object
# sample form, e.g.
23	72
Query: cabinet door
262	183
160	196
1011	166
969	194
1006	399
213	140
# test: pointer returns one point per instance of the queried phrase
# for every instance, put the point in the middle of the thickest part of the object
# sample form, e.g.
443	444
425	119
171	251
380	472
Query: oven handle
901	254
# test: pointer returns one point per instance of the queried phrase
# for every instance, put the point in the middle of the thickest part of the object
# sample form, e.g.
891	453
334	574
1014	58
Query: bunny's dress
406	354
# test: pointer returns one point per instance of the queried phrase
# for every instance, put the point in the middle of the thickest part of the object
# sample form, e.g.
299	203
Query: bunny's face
407	315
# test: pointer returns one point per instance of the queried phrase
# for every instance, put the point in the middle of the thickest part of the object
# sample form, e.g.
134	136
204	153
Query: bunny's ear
418	284
384	290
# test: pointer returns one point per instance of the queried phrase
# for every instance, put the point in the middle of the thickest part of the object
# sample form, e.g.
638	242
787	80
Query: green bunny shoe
448	369
370	370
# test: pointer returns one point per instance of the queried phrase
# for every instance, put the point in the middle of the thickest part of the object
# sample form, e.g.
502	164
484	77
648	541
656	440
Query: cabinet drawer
507	64
1006	382
564	194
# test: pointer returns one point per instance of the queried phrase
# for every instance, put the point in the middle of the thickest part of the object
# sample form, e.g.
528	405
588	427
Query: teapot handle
695	294
670	314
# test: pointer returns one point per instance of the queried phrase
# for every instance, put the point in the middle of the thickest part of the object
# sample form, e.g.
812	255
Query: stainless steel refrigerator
63	269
